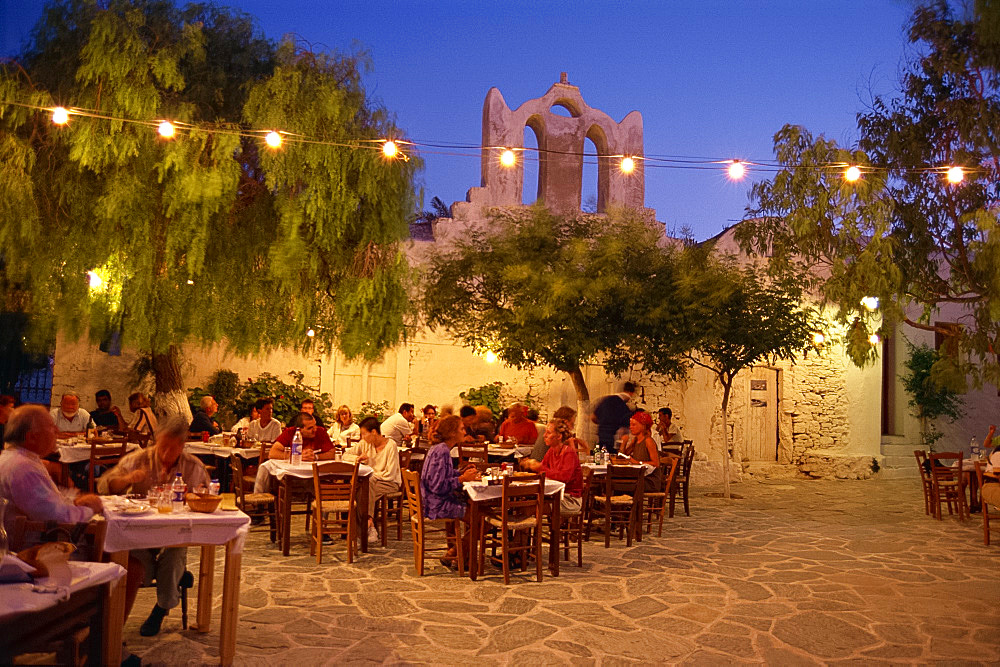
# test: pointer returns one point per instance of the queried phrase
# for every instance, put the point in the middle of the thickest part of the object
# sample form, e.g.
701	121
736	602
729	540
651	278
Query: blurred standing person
69	417
612	416
107	415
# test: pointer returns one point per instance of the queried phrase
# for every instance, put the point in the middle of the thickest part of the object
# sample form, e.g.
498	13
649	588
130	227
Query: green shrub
235	398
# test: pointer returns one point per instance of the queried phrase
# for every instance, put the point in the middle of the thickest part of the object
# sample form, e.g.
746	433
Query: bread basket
203	502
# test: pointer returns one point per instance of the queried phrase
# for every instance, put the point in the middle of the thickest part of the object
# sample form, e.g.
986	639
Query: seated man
264	429
24	480
670	436
107	415
517	425
381	453
69	417
309	407
470	421
203	421
399	426
316	444
136	473
144	421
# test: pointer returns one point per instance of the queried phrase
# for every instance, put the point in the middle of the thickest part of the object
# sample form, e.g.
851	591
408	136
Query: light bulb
737	170
955	174
390	149
628	165
852	174
166	129
272	139
507	158
491	357
818	338
310	333
874	339
870	302
60	116
94	280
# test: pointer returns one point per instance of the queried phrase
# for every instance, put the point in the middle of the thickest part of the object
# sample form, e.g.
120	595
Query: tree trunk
582	404
726	386
170	397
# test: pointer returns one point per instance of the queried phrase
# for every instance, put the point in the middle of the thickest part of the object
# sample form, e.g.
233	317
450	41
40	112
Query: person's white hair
22	421
205	402
174	426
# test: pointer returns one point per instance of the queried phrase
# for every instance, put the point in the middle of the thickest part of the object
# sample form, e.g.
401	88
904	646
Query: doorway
762	419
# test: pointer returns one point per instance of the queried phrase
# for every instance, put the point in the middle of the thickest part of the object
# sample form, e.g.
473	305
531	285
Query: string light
818	339
60	116
870	302
955	175
736	170
491	357
628	165
390	149
310	333
272	139
94	280
507	158
874	339
852	174
166	129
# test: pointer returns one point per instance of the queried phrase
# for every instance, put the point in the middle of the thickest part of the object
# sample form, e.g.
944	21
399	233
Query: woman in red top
561	463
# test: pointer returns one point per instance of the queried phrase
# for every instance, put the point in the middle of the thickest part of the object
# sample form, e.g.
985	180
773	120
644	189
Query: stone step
900	462
909	472
902	449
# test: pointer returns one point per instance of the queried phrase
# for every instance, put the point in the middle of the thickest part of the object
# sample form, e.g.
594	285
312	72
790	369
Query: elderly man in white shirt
399	426
69	416
264	429
31	434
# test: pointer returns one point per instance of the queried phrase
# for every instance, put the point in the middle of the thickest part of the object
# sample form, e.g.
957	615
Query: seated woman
144	421
568	415
381	454
344	427
561	463
640	447
441	484
990	493
250	416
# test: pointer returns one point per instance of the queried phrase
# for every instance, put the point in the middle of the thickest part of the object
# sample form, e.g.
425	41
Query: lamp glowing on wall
955	175
507	158
736	170
870	302
852	174
874	339
628	165
272	139
60	116
491	357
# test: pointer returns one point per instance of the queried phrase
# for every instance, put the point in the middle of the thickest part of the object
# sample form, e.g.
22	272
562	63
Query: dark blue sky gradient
712	78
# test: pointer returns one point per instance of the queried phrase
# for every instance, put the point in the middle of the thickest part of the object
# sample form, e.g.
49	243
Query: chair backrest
474	453
104	455
88	537
334	480
523	496
265	451
687	457
922	464
411	488
236	466
624	480
670	466
404	458
941	466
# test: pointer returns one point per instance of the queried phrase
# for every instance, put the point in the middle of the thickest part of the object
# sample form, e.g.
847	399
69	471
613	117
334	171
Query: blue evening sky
712	78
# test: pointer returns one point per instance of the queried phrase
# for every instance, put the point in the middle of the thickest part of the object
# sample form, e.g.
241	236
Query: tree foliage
210	236
541	289
903	233
931	399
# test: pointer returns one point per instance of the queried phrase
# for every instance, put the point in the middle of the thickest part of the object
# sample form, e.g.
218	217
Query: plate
135	510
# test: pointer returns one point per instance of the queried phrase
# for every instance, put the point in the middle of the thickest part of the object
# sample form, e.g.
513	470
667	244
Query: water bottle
973	448
296	455
177	492
91	429
214	487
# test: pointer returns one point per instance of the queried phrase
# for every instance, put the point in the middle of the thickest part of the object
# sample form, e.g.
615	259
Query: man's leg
169	568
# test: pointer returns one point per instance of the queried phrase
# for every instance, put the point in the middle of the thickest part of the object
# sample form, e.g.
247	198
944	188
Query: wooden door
762	419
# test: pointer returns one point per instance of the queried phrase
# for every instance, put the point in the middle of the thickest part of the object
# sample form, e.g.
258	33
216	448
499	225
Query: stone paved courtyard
797	572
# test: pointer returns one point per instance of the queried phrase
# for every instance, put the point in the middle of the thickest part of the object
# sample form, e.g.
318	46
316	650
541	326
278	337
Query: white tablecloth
211	449
21	598
151	530
481	491
504	452
74	453
304	470
602	469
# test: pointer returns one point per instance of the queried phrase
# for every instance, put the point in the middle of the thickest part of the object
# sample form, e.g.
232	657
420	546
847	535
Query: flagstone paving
795	573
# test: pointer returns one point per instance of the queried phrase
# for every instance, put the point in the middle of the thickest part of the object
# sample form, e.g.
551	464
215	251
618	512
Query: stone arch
597	135
536	124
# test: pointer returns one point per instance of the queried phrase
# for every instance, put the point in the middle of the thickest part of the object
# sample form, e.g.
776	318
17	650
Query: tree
208	237
757	322
930	400
541	289
903	233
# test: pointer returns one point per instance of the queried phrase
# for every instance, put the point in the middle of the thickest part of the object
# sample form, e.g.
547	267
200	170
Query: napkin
13	569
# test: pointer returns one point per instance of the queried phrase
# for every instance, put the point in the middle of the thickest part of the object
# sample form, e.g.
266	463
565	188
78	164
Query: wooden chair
392	503
682	479
422	528
656	503
106	456
335	487
520	516
987	514
925	479
574	526
620	503
252	504
948	484
70	641
475	453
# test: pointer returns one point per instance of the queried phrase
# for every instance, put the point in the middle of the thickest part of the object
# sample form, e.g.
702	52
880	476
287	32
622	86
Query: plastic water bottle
214	487
973	448
177	492
91	429
296	455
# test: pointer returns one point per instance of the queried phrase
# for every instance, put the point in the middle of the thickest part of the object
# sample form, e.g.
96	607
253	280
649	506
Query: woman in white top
144	421
247	419
344	427
381	454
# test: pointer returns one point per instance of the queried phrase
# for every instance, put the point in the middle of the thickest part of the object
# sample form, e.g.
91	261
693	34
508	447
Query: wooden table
181	529
299	476
482	496
31	620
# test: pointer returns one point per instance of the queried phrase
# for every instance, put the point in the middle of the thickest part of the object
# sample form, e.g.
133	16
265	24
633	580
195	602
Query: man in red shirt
316	444
518	426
